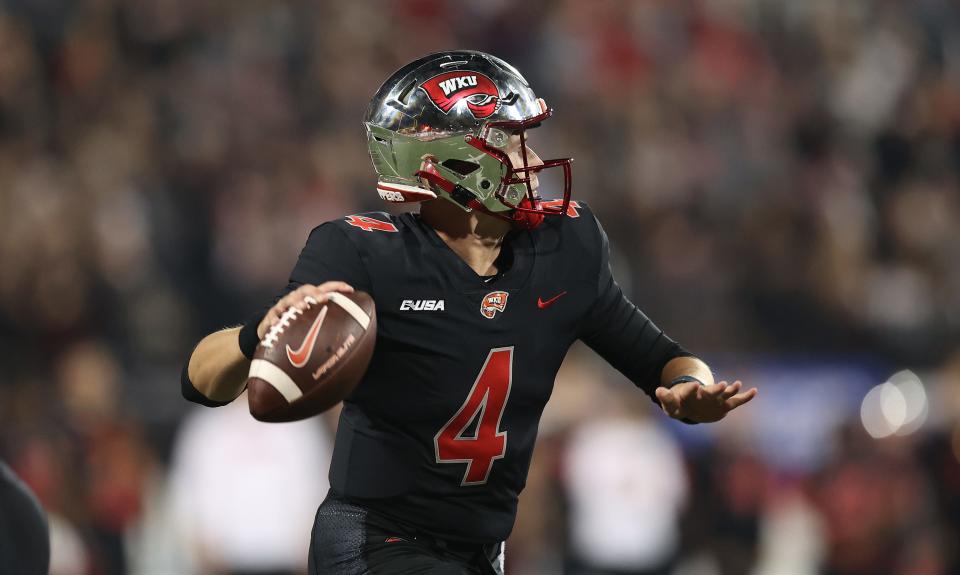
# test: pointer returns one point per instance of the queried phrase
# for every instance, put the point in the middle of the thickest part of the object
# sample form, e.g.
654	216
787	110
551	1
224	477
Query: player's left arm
623	335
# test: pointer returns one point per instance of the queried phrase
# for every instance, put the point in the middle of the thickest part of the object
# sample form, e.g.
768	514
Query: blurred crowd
777	179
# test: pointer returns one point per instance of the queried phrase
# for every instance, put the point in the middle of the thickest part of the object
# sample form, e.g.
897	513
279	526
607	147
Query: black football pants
348	540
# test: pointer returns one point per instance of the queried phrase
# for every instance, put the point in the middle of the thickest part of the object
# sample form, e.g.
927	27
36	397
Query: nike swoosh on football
301	356
545	304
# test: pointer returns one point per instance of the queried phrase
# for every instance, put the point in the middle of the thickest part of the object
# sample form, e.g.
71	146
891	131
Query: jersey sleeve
329	255
621	334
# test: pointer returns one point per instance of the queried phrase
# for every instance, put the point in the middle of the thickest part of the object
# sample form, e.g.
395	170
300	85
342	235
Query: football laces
278	328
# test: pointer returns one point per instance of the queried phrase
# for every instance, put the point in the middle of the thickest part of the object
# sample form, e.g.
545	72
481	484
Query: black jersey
440	431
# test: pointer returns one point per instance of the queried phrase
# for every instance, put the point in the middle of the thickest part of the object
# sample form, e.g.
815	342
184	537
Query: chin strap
527	220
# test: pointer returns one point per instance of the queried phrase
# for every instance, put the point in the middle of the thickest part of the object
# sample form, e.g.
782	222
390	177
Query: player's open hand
703	403
297	298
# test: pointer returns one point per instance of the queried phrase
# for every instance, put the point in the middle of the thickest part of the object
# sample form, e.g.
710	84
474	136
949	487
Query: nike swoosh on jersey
545	304
301	356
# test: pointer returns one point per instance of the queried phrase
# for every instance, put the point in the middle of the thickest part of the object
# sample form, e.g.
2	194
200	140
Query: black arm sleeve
622	335
190	392
329	255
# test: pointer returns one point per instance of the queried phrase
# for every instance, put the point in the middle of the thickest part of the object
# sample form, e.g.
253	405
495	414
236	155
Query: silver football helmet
440	127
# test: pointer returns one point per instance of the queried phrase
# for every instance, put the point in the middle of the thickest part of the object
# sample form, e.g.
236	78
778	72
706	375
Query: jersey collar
518	249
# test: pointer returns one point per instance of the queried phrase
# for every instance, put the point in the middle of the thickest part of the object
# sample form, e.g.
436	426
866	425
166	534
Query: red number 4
488	397
370	224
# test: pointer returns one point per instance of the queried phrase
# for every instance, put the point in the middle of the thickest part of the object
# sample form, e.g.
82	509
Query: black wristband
686	379
248	338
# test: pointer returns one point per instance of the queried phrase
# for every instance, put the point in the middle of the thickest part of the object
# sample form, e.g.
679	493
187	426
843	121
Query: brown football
312	359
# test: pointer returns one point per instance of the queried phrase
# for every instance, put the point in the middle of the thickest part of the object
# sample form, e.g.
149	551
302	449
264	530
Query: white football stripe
351	308
276	377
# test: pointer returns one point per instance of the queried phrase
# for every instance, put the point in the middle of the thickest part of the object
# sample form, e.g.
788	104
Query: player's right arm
217	368
216	372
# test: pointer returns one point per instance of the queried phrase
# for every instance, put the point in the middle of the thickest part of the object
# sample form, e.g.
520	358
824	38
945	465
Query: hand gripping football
312	359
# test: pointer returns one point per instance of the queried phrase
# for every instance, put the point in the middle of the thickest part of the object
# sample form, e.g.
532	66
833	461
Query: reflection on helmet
440	127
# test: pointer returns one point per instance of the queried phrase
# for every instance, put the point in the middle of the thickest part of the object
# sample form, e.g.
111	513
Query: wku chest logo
478	91
492	303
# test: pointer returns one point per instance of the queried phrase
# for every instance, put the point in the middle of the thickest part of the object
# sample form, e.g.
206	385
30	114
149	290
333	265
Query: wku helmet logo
492	303
478	91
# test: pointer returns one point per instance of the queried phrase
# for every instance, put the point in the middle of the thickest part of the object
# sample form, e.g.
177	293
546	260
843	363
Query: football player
24	535
479	296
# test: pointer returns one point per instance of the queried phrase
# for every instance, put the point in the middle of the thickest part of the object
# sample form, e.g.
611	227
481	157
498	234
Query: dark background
779	181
